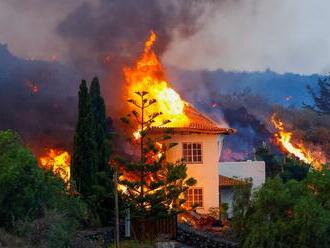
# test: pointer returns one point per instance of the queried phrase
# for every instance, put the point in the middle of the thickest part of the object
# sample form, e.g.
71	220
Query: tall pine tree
84	159
153	186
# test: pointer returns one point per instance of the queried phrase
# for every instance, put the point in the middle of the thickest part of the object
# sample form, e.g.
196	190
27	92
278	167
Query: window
192	152
194	197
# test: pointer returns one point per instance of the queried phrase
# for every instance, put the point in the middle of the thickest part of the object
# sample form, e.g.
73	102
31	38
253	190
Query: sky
282	35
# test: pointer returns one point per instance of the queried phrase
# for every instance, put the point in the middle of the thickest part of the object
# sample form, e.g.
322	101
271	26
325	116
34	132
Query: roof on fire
199	122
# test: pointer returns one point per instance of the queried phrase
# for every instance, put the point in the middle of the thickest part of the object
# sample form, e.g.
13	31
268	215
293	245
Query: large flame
57	161
284	138
148	75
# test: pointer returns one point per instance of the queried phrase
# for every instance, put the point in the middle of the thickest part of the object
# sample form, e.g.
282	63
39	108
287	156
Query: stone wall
200	239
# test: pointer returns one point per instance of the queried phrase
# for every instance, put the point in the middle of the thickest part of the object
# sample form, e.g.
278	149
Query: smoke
29	26
105	37
39	99
285	36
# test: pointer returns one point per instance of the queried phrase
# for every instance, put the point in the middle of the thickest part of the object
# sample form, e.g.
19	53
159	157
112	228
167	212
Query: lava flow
58	161
148	75
284	139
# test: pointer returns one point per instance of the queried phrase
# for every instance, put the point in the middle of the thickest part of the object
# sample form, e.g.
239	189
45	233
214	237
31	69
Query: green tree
288	214
284	166
85	153
103	190
153	186
321	100
27	192
273	165
101	137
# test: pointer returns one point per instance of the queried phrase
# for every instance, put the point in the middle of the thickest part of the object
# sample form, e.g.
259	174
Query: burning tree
151	185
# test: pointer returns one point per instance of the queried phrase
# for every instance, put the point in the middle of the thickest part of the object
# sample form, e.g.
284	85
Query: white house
231	174
199	143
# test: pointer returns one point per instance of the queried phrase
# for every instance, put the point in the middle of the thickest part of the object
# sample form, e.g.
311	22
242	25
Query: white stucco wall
206	173
246	169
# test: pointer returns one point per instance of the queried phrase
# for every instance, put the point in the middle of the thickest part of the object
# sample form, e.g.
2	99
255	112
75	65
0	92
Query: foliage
241	206
102	197
54	229
84	159
288	214
92	148
285	167
153	186
321	101
98	110
294	169
27	193
273	165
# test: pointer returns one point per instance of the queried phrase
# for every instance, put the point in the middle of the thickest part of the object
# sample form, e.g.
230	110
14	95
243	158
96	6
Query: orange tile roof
199	122
227	181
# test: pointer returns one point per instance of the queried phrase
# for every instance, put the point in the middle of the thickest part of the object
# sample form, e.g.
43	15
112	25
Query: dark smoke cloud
37	100
103	38
93	38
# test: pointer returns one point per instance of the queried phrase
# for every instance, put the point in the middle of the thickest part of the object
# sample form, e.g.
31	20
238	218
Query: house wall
206	173
246	169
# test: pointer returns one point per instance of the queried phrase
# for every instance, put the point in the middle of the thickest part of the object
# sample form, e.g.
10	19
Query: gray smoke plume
39	99
105	37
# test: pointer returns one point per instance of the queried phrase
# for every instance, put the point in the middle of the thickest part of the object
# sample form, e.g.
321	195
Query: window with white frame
192	152
194	197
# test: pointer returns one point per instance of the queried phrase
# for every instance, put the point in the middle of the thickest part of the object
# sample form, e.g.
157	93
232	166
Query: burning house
199	143
199	139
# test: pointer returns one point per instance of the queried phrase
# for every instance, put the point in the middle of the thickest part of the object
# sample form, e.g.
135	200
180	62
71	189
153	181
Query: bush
54	229
287	214
30	196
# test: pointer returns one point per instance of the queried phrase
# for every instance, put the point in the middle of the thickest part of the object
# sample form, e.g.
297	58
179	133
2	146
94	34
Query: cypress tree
98	109
84	159
102	200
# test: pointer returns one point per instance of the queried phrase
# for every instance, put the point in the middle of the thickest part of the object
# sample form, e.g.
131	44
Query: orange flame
284	138
58	161
148	75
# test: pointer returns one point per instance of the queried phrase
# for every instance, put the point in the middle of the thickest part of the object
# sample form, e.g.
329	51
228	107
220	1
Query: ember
284	138
58	162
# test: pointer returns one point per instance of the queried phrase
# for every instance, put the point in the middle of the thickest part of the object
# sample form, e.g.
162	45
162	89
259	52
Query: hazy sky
283	35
